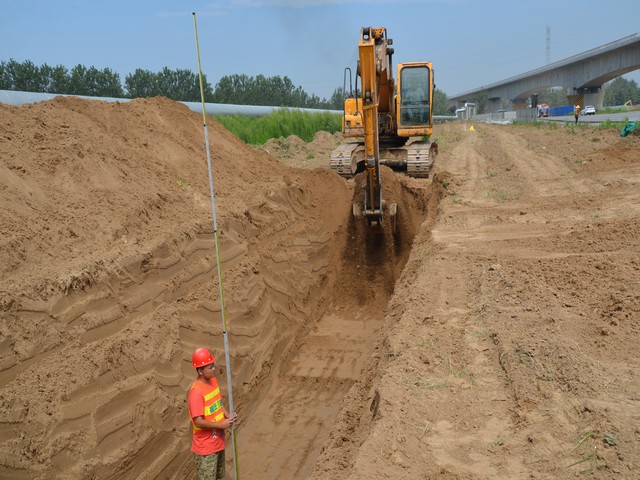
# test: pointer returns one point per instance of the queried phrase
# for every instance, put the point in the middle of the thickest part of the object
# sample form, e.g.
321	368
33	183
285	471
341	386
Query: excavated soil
493	335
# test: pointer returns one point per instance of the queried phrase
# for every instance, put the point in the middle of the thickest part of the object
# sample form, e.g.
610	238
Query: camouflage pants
210	467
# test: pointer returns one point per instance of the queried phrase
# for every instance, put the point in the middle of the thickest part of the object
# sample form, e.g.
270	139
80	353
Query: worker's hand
226	423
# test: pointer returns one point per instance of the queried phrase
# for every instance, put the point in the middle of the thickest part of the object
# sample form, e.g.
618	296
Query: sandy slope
493	337
108	282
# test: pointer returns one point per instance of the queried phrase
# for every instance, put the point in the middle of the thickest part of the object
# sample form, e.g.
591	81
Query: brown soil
494	335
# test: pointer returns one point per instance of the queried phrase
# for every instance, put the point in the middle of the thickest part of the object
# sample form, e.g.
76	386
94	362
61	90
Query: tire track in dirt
461	369
532	441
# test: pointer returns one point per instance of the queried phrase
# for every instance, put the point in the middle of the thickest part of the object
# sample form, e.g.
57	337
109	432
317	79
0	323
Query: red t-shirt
205	441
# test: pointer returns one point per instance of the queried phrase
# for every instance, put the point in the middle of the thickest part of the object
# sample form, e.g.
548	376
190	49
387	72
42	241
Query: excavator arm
375	72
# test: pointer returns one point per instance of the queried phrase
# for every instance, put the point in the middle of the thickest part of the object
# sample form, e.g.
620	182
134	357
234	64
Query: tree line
620	90
179	85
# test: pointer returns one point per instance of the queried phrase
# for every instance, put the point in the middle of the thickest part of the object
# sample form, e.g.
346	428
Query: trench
288	423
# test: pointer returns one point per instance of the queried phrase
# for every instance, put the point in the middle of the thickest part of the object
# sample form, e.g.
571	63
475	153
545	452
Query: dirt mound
113	176
108	269
295	152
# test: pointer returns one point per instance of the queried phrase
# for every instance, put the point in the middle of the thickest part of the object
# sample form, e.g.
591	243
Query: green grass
465	374
182	182
446	138
572	128
589	458
482	333
498	442
503	195
280	123
538	124
608	125
423	384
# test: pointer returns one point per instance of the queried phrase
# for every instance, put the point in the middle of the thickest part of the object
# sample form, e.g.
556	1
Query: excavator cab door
414	102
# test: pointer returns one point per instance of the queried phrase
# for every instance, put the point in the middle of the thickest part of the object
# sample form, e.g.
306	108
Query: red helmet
202	357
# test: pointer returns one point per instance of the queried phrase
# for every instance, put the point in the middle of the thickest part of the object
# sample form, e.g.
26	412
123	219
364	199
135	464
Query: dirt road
511	338
494	337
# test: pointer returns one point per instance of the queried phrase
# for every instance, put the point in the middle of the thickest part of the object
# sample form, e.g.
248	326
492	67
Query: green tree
260	90
106	83
232	89
94	83
28	77
76	84
140	84
58	79
481	103
5	77
554	96
179	85
620	90
336	101
23	76
440	103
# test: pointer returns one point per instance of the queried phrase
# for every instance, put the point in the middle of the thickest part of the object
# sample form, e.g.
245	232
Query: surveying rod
215	236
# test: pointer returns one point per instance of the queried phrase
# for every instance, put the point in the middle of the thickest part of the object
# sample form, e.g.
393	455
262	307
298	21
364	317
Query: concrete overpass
582	76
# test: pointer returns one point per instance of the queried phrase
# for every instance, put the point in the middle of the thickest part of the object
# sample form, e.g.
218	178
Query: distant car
543	110
588	110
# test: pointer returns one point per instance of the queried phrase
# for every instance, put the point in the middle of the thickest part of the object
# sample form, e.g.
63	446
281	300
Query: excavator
381	117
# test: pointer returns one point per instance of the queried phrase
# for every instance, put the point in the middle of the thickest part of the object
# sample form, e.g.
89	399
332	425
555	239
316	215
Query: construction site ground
494	335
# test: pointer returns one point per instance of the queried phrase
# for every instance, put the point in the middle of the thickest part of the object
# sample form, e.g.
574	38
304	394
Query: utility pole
548	45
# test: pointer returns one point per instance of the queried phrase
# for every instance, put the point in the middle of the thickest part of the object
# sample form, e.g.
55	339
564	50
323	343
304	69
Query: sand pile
107	278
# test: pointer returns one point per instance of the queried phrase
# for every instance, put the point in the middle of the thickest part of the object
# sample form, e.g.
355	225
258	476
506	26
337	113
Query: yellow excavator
381	117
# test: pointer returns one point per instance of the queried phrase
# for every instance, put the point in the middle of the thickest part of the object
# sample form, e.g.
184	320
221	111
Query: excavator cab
352	123
414	102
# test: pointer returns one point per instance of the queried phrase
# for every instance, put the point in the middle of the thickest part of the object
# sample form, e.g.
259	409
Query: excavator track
343	160
420	158
415	159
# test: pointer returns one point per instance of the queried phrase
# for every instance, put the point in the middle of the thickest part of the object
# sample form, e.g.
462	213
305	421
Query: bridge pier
587	96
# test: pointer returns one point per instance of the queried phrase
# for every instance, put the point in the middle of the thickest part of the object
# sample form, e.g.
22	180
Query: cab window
414	95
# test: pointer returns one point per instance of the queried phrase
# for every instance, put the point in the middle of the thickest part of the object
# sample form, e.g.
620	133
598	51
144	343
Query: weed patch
280	123
503	195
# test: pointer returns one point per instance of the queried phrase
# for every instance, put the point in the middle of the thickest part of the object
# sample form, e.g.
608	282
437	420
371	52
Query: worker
576	112
416	97
209	417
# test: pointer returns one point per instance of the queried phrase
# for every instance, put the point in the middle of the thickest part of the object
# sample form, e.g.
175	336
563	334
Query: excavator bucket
389	211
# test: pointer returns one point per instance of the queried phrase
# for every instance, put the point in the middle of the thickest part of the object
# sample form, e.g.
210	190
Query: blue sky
471	43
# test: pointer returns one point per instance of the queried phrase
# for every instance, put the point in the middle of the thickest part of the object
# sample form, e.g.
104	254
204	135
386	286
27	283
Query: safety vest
212	402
